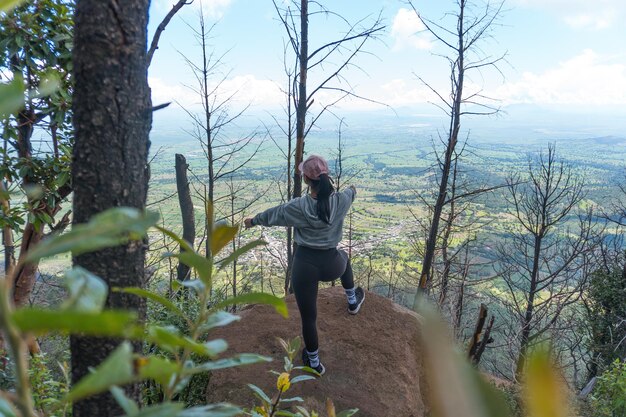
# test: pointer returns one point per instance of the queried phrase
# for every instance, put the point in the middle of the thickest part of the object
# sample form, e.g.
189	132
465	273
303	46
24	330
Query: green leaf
128	405
6	5
117	369
307	369
87	292
303	411
49	84
171	340
182	242
140	292
6	410
545	393
105	323
236	254
237	360
157	368
211	410
294	344
160	410
215	347
301	378
348	413
107	229
222	234
11	96
197	285
259	393
494	402
292	399
256	298
219	319
202	265
62	179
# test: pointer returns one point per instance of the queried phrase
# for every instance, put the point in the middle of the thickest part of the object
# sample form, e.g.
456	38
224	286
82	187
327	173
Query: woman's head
315	171
313	167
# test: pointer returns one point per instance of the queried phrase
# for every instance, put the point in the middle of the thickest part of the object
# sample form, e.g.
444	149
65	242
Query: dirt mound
372	360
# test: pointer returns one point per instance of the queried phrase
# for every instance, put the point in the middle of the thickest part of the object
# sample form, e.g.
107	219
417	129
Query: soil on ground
372	359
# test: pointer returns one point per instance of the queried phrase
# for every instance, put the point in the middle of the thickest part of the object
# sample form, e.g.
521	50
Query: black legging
310	266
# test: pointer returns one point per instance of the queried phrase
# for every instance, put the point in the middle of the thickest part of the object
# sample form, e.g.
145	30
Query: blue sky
560	53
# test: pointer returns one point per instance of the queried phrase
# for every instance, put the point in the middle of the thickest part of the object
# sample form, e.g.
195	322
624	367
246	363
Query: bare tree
154	44
325	65
473	25
238	208
287	129
224	155
544	252
616	212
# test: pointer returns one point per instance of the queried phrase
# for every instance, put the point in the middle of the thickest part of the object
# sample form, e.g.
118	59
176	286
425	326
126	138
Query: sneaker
305	360
360	297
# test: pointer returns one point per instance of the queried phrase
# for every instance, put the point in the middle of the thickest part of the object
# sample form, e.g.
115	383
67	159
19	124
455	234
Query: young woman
318	221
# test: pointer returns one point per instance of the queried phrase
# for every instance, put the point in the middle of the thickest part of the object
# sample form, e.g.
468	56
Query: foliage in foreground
180	352
83	313
284	380
609	398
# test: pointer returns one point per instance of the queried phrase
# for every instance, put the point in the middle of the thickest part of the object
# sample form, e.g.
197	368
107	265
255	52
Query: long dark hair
324	189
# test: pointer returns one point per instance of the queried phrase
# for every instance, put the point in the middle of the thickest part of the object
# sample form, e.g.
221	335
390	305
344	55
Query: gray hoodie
301	213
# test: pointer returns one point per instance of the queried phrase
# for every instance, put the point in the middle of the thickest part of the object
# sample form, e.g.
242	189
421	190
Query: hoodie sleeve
287	214
350	192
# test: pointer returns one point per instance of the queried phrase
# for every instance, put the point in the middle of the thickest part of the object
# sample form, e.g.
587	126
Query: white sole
358	307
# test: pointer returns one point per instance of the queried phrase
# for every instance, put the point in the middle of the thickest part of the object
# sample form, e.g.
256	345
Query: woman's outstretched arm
287	214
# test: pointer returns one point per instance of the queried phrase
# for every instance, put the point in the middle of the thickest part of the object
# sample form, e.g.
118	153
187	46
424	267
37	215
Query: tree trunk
301	110
26	276
480	340
186	210
7	235
302	104
484	342
453	134
530	306
112	120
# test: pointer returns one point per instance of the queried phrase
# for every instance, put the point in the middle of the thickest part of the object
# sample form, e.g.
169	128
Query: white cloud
406	31
582	14
588	79
249	89
244	89
162	92
398	92
213	8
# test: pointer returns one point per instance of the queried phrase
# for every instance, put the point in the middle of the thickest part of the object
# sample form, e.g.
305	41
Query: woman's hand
248	223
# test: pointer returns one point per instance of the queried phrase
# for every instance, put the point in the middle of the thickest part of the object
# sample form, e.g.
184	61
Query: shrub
609	396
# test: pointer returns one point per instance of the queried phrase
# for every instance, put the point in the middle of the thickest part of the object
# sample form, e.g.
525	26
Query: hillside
372	360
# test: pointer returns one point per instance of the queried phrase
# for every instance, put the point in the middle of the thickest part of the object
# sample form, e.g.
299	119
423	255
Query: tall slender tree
470	25
542	261
224	154
112	119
